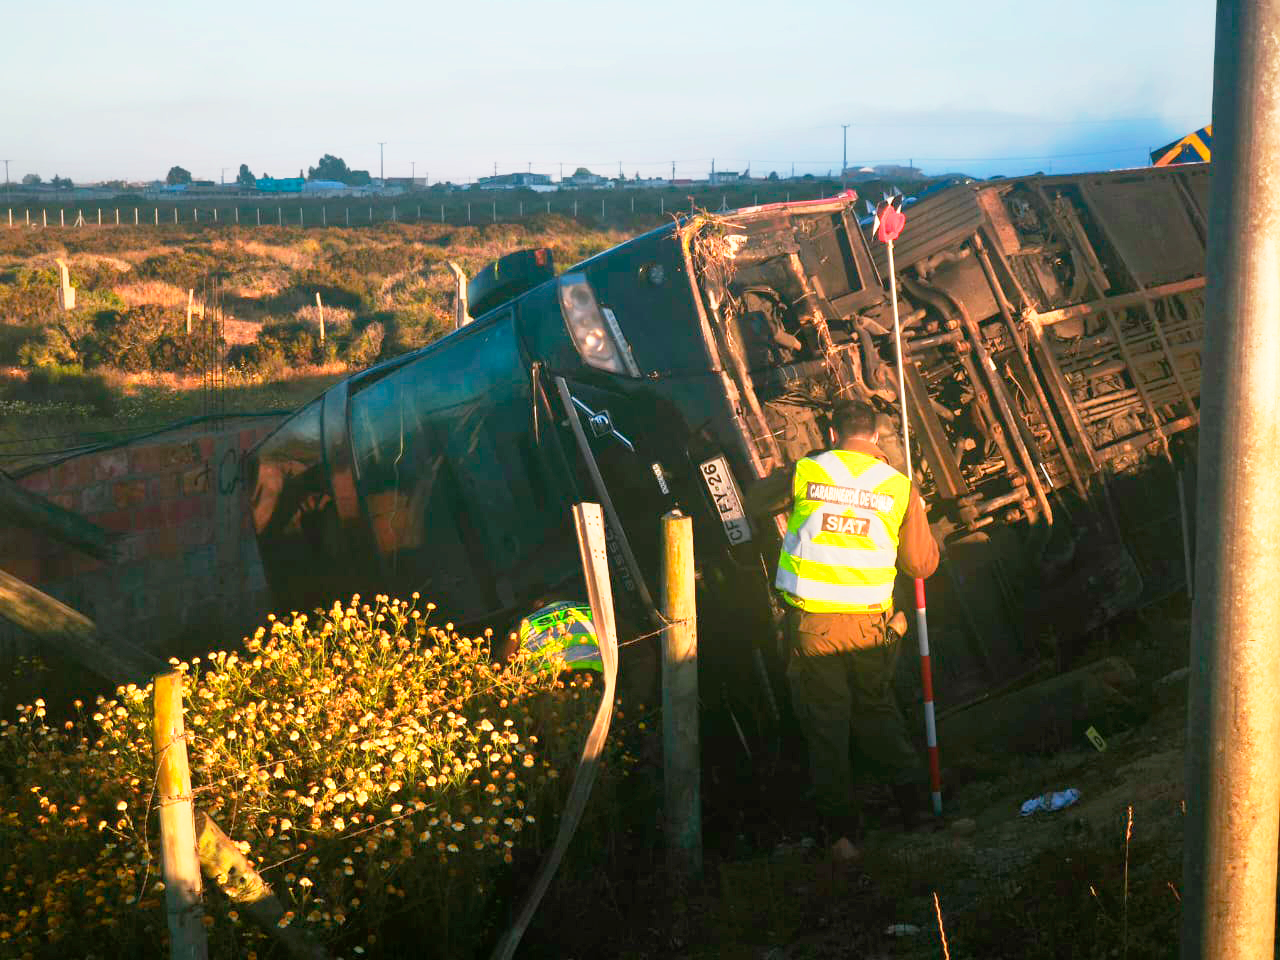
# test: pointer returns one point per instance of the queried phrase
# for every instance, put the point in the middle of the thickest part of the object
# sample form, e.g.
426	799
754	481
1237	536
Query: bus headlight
595	332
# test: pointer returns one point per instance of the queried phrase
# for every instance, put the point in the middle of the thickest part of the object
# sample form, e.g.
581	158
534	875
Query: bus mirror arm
606	502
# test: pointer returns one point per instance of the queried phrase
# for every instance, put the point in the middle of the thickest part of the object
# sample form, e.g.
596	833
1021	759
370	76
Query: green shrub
124	340
69	341
64	384
366	346
297	343
28	295
382	775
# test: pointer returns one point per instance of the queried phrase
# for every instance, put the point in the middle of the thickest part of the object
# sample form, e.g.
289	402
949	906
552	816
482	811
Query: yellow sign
1096	739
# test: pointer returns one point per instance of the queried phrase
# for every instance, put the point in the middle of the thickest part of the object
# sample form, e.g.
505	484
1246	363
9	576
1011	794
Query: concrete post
1233	715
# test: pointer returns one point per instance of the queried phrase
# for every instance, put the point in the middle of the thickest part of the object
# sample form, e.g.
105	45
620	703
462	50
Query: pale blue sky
98	91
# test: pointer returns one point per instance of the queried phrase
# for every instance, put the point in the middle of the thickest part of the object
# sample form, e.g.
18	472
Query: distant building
653	183
586	180
514	181
884	171
282	185
724	176
325	188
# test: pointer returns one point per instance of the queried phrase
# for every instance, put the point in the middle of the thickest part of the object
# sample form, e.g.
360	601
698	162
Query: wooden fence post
231	871
682	770
179	859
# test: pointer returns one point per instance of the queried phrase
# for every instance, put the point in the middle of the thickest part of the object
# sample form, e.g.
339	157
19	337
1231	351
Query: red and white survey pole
889	222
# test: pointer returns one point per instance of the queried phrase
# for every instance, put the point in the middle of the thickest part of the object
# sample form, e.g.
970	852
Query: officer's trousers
841	678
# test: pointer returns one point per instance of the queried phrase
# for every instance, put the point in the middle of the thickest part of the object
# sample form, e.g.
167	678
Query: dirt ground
1098	879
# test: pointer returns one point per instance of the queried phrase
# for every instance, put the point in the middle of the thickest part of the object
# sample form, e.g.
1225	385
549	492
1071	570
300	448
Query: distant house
586	181
325	188
282	185
725	176
653	183
893	171
514	181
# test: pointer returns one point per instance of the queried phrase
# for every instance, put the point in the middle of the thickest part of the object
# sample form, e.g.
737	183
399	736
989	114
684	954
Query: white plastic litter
1048	802
901	930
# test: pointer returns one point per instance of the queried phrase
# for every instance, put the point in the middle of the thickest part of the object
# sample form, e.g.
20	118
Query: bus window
462	504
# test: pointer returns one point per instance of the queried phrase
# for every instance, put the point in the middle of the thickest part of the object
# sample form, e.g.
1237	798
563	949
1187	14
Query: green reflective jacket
565	629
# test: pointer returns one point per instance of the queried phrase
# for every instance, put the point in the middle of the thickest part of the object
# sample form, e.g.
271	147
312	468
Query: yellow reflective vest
841	548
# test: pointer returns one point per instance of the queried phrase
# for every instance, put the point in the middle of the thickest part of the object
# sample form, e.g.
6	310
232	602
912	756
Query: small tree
177	175
245	177
31	179
61	183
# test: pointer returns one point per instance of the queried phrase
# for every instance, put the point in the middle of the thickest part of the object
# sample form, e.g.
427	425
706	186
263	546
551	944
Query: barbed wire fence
455	208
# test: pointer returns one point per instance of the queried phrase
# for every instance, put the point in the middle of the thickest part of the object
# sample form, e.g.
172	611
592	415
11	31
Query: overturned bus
1052	330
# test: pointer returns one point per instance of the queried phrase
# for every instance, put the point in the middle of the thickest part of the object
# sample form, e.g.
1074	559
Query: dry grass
335	318
239	331
295	257
147	292
98	259
389	274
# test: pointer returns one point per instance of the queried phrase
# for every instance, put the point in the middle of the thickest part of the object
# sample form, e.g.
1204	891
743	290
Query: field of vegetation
392	787
122	359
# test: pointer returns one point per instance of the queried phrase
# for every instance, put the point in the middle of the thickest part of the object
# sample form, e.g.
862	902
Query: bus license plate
724	494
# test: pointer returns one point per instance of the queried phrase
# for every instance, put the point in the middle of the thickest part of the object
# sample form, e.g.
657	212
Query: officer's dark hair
852	420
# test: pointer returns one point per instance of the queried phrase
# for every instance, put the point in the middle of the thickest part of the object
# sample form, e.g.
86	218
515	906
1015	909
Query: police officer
855	522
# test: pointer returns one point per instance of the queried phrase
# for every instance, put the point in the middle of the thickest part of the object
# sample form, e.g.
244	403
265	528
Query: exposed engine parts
1052	329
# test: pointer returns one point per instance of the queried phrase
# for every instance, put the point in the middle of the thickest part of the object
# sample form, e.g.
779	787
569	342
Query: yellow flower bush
376	769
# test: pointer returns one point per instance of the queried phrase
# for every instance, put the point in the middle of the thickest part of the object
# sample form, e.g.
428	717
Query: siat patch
889	219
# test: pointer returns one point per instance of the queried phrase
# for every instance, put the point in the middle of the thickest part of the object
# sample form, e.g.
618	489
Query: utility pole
413	170
6	179
381	167
1233	703
673	169
222	178
844	161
